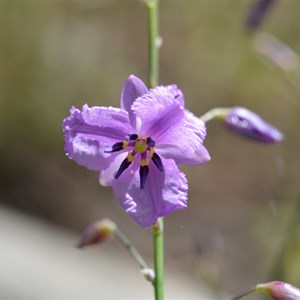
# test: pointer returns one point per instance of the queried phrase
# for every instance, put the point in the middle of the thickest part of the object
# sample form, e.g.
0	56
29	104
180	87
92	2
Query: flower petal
164	192
106	176
177	132
132	89
158	109
176	153
92	130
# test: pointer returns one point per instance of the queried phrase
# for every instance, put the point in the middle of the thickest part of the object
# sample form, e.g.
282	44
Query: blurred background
242	225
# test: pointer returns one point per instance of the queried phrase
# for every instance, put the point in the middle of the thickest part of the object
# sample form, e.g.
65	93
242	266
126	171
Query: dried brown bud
97	232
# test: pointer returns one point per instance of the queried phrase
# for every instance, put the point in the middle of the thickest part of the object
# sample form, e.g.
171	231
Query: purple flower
136	148
249	124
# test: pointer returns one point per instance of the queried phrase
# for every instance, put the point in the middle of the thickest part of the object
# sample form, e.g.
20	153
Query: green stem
158	240
153	68
157	229
215	113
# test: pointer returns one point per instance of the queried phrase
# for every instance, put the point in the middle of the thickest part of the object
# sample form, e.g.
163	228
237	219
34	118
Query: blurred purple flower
136	148
249	124
258	12
277	52
279	290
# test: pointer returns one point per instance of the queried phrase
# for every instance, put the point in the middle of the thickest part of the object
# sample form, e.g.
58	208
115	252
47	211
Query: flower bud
278	290
98	232
249	124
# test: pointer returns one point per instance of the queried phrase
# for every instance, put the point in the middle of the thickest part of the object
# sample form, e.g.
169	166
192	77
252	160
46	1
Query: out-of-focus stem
153	65
244	294
129	246
153	38
215	113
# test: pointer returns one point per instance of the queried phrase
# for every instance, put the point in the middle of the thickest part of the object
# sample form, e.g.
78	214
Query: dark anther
144	170
116	147
150	142
157	161
132	137
124	165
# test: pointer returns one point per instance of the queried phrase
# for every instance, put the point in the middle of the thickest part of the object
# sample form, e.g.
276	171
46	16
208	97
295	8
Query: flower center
141	147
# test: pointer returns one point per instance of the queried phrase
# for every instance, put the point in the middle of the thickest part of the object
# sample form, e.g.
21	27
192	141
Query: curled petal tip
249	124
132	89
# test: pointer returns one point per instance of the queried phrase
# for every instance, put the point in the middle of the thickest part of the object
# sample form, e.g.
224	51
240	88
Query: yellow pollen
152	151
130	157
125	144
144	162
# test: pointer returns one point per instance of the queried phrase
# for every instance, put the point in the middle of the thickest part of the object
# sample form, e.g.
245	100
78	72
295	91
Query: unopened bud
278	290
249	124
97	232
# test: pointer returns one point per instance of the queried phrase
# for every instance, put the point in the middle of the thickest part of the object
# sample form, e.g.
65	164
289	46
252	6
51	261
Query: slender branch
157	231
136	255
215	113
244	294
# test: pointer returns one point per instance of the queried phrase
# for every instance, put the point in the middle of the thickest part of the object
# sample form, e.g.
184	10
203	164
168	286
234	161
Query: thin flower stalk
157	230
158	240
153	42
129	246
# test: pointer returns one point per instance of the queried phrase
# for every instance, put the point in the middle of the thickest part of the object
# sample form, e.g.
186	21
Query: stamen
144	147
150	142
157	161
132	137
124	165
117	147
144	171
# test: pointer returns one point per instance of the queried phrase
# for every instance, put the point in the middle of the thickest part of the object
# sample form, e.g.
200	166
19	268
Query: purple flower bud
98	232
249	124
278	290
